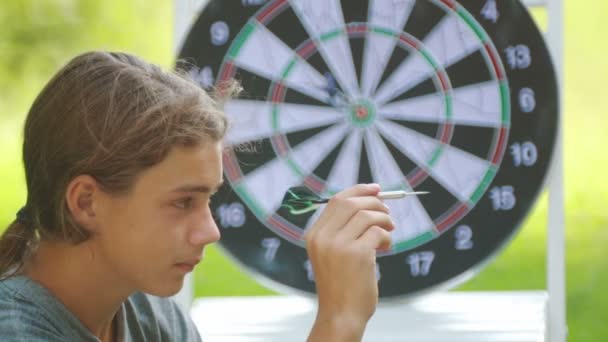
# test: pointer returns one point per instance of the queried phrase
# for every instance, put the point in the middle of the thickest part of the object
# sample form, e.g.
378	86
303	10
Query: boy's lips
192	261
188	264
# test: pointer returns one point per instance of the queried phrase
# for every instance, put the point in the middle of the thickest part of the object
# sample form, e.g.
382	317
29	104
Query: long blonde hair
108	115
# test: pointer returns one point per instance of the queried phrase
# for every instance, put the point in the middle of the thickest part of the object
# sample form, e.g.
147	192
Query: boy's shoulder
28	312
160	314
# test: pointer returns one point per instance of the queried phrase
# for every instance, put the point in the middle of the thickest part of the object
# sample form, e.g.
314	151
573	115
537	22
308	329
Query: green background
38	36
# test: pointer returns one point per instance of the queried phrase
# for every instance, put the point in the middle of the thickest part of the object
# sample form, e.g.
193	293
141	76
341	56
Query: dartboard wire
284	227
426	166
310	152
498	70
251	120
291	61
465	110
270	217
383	166
485	176
311	181
324	22
428	108
276	95
276	91
441	81
344	171
304	50
377	50
283	151
440	151
267	173
266	213
433	42
431	149
420	55
279	90
457	211
387	173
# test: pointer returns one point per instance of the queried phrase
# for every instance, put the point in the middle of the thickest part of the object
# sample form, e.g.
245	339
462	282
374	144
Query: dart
300	200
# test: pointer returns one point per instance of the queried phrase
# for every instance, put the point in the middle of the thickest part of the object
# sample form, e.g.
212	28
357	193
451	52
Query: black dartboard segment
455	98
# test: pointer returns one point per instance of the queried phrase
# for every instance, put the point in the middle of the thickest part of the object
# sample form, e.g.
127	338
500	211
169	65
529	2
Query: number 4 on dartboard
490	12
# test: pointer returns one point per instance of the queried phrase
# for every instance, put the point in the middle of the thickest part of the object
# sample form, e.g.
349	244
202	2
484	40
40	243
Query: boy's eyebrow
198	188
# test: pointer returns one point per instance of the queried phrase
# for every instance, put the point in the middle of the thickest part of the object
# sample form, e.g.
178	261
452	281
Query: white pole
536	3
182	17
556	273
184	12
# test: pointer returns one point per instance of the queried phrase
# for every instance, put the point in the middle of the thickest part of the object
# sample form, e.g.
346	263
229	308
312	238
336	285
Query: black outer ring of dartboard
491	229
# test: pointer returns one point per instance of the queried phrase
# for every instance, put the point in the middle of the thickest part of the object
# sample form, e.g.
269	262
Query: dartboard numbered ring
455	98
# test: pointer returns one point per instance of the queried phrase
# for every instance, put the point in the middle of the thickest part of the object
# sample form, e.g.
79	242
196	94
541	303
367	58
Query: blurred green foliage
37	36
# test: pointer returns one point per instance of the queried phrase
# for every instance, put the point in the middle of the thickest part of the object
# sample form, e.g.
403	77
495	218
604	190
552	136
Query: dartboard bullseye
455	98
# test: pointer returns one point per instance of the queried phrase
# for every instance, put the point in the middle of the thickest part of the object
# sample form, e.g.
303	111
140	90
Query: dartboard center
362	113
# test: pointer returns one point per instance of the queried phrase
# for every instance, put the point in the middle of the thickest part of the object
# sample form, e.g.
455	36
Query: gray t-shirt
29	312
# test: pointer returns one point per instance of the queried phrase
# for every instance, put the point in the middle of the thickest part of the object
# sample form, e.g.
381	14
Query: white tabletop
452	316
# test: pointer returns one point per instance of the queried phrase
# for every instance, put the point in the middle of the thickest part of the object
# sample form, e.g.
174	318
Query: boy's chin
167	289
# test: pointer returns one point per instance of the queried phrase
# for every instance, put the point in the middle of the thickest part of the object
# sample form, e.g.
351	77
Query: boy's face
154	235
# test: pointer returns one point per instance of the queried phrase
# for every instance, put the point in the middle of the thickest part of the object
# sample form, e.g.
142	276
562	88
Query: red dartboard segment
452	218
231	166
497	67
356	29
271	10
314	184
280	145
227	71
500	146
450	4
409	41
306	49
290	232
446	133
278	93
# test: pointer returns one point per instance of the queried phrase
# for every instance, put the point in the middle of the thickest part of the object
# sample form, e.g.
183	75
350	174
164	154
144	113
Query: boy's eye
184	203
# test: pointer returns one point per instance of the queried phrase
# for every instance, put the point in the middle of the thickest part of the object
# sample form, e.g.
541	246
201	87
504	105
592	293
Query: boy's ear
81	195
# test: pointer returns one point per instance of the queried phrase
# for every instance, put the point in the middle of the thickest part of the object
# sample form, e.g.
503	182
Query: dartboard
455	98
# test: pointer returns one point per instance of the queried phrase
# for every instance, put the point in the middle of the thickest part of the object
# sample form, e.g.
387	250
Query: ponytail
15	245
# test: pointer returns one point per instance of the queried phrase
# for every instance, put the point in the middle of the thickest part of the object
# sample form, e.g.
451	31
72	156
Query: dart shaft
398	194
